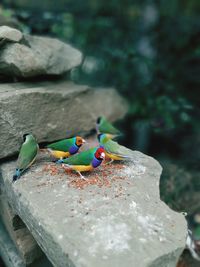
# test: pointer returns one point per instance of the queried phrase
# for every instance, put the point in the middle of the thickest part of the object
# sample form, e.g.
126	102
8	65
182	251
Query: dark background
150	52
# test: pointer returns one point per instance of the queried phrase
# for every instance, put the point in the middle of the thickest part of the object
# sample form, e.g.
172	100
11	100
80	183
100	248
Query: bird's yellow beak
83	140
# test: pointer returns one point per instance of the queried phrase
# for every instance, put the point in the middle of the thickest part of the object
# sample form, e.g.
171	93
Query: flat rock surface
52	111
113	219
10	34
36	56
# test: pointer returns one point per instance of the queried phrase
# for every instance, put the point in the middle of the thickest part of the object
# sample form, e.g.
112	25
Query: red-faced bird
85	161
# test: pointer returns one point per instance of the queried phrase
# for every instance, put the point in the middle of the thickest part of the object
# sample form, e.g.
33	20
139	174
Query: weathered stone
8	215
38	56
52	111
8	251
116	218
23	240
10	34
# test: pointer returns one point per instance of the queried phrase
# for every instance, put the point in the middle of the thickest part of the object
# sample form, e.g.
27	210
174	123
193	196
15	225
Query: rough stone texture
38	56
8	215
23	240
52	111
10	34
115	218
10	255
8	251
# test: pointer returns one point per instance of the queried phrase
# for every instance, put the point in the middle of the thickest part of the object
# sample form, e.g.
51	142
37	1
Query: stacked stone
118	218
50	109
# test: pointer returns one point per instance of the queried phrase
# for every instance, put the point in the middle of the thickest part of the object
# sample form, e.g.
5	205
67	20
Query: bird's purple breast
73	149
96	163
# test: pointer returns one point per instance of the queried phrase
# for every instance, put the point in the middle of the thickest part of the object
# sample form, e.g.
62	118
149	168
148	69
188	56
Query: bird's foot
82	177
109	162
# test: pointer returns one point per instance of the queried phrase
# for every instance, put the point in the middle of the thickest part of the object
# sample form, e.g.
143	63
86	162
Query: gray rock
8	251
23	240
38	56
52	111
8	216
10	34
116	218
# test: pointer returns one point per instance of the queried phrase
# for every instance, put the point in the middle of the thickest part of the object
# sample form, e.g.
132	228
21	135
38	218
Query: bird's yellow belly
81	168
60	154
113	156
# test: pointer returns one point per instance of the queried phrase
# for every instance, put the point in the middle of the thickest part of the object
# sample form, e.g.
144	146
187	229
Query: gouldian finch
27	155
66	147
85	161
104	126
113	150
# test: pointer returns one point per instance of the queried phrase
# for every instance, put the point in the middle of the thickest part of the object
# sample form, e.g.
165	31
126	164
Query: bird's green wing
113	147
84	158
105	126
62	145
27	154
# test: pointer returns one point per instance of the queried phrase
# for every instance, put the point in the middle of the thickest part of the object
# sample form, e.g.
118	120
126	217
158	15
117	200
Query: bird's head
100	153
25	135
79	141
98	120
103	138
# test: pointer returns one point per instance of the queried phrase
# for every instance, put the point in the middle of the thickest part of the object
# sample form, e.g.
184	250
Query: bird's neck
74	149
96	162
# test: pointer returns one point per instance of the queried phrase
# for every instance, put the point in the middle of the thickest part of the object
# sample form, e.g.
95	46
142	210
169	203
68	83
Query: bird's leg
109	162
82	177
64	167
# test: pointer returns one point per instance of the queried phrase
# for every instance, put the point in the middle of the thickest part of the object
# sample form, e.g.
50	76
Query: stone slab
35	56
22	238
10	34
8	251
52	111
8	215
114	219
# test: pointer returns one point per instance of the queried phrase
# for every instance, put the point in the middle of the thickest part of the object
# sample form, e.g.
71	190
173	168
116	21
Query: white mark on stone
60	237
143	240
161	239
133	171
52	126
133	205
150	226
107	234
75	253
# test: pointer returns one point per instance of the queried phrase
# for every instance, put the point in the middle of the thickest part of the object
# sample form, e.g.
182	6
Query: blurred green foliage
149	51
